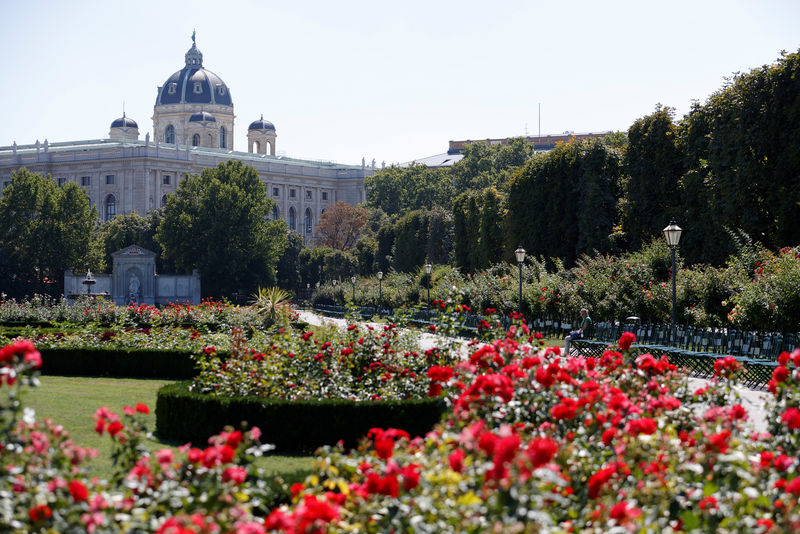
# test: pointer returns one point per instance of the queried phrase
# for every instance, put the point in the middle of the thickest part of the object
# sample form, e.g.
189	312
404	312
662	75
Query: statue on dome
193	34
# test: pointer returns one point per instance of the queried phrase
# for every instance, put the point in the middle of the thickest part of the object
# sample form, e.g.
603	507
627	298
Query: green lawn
72	401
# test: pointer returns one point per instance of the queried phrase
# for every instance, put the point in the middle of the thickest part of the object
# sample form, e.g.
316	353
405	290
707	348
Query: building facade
193	125
541	143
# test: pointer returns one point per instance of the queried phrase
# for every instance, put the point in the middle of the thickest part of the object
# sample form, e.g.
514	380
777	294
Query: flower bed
534	442
208	316
360	363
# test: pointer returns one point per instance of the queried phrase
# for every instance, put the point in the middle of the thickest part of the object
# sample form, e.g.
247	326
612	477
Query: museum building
193	125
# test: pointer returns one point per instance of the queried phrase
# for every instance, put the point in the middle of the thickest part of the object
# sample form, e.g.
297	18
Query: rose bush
534	442
361	362
537	442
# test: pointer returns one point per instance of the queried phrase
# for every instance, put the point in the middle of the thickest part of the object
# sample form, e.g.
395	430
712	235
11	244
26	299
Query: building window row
276	192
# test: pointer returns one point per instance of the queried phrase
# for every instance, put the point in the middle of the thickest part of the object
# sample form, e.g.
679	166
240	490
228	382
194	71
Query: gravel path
753	400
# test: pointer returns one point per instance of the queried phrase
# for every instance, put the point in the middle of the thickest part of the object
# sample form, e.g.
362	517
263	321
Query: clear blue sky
391	81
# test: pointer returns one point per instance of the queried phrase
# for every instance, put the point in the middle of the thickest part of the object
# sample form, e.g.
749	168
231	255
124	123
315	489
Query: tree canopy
340	225
44	230
219	222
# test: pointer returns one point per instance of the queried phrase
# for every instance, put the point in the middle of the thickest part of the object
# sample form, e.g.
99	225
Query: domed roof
124	122
202	116
261	124
193	84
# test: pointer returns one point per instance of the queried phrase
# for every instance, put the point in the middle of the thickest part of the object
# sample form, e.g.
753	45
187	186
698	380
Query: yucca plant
271	303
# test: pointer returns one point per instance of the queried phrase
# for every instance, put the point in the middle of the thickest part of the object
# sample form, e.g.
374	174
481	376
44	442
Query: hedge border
291	425
118	362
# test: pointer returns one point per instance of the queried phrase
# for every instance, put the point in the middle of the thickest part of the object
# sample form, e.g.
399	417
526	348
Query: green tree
311	264
490	238
440	236
743	144
485	165
366	251
385	255
563	203
411	238
288	268
397	190
134	229
219	222
44	230
654	165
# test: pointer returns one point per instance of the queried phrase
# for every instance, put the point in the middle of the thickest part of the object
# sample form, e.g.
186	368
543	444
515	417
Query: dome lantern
260	136
124	128
194	57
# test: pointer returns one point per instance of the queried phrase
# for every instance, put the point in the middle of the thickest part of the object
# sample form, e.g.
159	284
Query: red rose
410	476
791	418
78	491
234	474
626	340
40	513
541	451
114	428
456	460
644	425
780	374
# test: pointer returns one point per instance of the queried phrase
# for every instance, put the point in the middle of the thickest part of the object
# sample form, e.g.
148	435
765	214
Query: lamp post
353	279
380	288
428	269
520	254
672	233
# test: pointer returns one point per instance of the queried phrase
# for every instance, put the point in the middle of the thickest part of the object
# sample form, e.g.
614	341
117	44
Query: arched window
163	201
308	221
258	147
222	137
292	221
111	207
196	140
275	213
169	135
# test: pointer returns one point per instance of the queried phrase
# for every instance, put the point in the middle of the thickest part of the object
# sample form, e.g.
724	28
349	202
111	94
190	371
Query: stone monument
133	280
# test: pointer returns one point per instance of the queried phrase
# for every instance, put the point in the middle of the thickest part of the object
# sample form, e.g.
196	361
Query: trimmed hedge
299	426
127	363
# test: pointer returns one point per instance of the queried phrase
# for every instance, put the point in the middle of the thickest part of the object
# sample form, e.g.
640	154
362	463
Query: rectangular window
275	192
308	195
292	193
324	195
86	180
109	179
6	184
165	179
61	182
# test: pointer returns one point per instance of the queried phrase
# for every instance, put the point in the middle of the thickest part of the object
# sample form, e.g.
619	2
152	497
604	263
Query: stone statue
133	287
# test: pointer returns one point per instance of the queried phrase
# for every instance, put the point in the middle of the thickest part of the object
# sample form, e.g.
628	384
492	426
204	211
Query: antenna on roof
123	109
540	119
